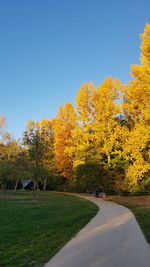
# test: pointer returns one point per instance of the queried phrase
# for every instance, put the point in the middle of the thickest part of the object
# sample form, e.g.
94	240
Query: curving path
112	238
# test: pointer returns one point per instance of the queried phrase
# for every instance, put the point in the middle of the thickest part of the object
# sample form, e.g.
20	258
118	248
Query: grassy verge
140	206
33	231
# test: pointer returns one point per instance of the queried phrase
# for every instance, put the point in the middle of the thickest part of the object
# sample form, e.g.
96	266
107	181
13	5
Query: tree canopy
102	141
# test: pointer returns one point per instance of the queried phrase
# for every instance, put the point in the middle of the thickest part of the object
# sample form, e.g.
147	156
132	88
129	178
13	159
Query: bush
87	177
56	183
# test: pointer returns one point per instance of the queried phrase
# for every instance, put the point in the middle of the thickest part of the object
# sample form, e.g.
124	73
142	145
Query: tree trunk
108	158
37	185
4	189
16	185
33	191
33	194
34	185
44	185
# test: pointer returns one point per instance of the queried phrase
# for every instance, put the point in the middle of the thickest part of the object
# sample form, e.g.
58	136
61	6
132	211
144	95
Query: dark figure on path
97	192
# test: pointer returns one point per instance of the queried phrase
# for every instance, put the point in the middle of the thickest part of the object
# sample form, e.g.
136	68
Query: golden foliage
136	108
111	120
105	110
63	124
145	46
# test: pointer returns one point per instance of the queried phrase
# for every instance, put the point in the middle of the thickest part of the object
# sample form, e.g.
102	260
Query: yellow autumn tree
82	142
2	121
136	108
95	134
2	124
63	124
105	111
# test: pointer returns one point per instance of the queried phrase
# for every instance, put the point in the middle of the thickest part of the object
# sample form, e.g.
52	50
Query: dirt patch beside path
139	201
12	196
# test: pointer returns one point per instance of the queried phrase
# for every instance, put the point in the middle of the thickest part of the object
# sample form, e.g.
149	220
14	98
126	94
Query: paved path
111	239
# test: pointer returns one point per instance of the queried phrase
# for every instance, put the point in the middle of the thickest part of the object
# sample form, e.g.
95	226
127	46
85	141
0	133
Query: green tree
38	138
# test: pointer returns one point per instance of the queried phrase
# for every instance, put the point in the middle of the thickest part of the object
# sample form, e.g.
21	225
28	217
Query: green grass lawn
31	232
140	206
143	218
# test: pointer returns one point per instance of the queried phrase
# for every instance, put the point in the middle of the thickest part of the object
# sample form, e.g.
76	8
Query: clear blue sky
48	48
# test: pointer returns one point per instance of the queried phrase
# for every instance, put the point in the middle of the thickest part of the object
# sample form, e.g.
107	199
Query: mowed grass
31	232
140	206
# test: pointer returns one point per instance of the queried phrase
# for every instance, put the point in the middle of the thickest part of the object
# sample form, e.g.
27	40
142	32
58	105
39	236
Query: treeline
104	141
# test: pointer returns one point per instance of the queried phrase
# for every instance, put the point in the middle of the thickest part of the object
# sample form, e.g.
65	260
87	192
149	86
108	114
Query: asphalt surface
112	238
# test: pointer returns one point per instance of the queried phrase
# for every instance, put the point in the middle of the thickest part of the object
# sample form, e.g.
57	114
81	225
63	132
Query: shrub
87	177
